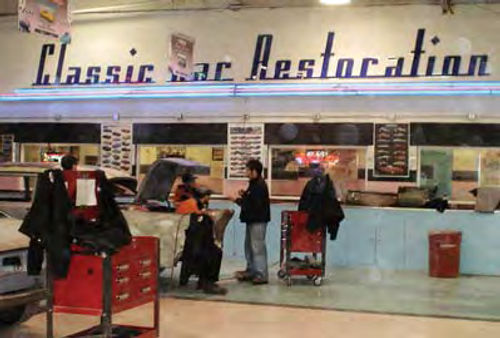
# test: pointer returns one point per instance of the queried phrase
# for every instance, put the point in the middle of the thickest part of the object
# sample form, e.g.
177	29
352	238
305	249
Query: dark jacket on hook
320	201
52	226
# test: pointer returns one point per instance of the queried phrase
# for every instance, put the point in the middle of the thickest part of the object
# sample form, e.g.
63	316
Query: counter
388	238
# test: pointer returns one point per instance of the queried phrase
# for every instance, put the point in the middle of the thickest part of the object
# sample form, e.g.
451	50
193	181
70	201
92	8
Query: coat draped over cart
53	227
320	201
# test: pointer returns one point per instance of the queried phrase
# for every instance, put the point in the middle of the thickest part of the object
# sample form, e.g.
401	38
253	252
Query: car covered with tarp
153	213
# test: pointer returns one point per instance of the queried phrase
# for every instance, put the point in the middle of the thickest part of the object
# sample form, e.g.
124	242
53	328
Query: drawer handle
145	275
122	280
122	296
146	289
123	267
146	262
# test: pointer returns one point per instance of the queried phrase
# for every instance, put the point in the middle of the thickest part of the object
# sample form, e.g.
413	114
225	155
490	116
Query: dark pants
200	256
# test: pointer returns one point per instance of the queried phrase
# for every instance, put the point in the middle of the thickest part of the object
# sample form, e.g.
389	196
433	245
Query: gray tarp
161	177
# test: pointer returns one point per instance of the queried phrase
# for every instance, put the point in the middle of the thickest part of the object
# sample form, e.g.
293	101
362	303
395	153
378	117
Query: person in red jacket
186	189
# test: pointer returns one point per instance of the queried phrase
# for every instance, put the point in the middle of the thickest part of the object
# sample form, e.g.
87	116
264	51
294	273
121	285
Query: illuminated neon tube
189	90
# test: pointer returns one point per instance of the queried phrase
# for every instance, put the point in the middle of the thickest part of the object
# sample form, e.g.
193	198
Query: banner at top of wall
48	17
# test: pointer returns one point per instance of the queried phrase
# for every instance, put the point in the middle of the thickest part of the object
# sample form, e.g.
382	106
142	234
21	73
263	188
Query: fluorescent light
335	2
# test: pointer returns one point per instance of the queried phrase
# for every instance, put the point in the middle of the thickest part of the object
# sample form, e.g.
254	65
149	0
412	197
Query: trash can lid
445	232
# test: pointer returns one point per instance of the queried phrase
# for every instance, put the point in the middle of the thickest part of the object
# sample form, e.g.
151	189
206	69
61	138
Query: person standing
256	213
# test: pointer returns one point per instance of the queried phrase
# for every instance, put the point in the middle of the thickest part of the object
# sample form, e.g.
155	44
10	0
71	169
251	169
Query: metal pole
50	299
106	319
157	298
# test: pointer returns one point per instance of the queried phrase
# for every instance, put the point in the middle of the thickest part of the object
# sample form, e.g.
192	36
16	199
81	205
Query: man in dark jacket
256	213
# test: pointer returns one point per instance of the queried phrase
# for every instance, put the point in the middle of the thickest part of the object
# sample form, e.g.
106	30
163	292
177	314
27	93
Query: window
456	171
291	168
87	154
212	156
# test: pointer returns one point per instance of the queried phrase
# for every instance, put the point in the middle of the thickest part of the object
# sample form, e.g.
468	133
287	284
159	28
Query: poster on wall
391	150
181	55
217	154
7	148
48	17
117	151
246	141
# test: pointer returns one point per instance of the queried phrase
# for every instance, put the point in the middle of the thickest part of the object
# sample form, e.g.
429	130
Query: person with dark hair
256	213
186	190
68	162
194	204
201	255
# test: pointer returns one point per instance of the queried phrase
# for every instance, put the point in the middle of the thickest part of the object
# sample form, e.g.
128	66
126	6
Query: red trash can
444	253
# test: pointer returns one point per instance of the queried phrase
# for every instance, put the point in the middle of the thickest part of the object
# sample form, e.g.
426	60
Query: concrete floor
306	310
369	290
194	319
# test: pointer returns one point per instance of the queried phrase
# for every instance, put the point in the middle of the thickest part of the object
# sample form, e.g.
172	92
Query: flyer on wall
391	150
246	141
7	147
48	17
117	151
181	55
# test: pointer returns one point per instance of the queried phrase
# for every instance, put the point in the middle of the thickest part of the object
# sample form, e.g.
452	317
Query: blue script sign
263	68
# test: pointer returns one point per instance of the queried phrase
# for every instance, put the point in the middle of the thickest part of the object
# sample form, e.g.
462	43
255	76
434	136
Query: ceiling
9	7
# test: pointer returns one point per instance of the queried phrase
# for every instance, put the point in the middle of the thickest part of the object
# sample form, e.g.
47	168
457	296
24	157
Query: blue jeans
255	250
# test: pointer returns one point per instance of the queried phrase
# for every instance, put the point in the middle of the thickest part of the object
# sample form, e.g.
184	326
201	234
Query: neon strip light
459	88
266	86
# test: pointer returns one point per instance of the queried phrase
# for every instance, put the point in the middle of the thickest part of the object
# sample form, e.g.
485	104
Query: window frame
366	148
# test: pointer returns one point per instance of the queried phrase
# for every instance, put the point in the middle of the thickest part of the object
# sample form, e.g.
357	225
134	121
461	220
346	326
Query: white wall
230	36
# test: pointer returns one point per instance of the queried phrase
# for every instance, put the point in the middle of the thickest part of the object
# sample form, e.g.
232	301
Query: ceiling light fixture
335	2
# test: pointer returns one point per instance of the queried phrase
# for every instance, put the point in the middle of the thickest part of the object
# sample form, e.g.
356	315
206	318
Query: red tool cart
295	238
103	285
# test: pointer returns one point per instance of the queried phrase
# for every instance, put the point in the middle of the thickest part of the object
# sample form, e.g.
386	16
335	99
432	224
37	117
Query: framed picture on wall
7	147
391	150
217	154
246	141
117	150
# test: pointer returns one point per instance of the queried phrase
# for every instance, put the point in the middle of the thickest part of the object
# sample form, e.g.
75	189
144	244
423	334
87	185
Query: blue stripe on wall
394	239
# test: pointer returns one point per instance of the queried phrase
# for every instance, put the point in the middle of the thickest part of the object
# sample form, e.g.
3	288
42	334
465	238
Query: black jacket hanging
110	231
51	224
48	224
320	201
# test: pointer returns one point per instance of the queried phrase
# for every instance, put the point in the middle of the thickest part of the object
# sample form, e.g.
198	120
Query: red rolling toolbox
296	238
104	286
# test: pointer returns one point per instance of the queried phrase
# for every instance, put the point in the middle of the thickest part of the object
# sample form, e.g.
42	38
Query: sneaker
214	289
243	276
259	281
